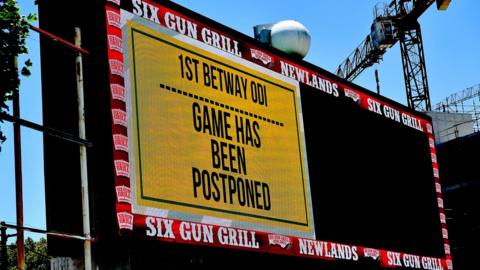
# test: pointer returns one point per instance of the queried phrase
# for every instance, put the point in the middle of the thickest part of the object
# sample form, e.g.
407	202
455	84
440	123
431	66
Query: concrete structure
448	126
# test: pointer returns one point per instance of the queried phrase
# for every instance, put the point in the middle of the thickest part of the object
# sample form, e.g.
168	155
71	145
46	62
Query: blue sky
451	43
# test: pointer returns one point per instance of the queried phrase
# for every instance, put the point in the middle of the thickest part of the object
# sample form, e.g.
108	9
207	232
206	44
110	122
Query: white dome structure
291	37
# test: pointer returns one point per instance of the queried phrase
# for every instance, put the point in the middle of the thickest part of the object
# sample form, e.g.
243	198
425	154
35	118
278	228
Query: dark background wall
459	165
358	162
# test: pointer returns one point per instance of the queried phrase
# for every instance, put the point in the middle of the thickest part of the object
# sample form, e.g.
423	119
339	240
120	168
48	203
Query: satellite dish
291	37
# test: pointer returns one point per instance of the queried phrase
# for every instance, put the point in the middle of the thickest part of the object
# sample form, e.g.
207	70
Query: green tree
13	33
35	255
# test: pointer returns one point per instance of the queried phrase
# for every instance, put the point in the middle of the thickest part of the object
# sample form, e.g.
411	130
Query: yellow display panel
214	137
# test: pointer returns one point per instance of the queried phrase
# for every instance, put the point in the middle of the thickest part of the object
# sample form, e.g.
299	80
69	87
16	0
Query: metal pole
18	179
83	153
377	80
3	247
50	233
46	130
59	40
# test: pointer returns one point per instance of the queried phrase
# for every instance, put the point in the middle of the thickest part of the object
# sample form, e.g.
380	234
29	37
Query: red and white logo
353	95
447	248
445	233
438	187
115	43
118	92
113	18
263	57
119	117
114	1
279	240
116	67
125	220
122	168
443	218
371	253
120	142
123	194
440	202
449	264
429	128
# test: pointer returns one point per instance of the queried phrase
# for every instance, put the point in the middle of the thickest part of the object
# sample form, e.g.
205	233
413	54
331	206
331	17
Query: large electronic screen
221	141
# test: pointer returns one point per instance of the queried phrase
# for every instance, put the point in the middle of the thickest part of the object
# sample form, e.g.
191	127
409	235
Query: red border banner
171	230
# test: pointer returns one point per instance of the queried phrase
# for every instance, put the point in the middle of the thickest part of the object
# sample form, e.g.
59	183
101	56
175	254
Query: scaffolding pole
17	144
83	154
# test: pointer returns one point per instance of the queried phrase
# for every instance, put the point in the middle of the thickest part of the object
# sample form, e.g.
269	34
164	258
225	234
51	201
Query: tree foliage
13	33
35	255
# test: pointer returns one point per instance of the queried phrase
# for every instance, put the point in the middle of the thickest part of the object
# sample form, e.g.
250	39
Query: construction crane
396	21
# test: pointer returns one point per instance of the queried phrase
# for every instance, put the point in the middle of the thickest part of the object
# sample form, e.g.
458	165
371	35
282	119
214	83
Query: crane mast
396	21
